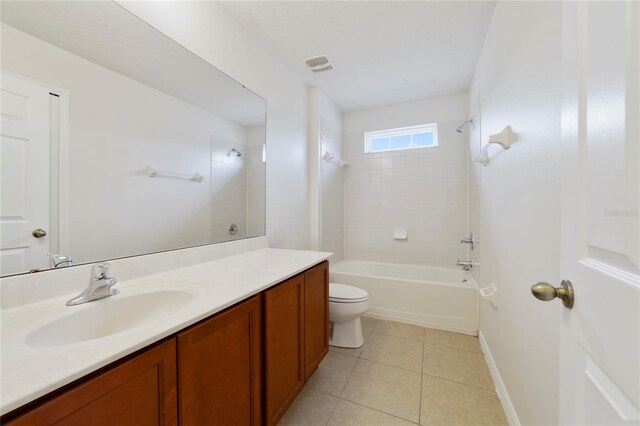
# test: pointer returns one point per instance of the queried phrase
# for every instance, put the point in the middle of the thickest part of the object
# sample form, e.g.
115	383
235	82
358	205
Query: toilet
346	305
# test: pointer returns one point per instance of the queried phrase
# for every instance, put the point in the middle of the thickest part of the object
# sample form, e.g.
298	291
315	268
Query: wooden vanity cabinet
316	317
137	391
284	350
219	364
296	336
242	366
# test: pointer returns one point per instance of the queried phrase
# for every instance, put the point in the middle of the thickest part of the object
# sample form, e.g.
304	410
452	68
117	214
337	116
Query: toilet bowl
346	306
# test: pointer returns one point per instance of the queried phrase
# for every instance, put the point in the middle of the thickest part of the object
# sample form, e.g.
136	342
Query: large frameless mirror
117	141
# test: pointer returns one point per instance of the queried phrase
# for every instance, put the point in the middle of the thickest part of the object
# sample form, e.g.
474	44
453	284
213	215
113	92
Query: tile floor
402	375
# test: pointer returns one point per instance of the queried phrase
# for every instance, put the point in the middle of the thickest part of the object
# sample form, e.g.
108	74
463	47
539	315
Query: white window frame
401	131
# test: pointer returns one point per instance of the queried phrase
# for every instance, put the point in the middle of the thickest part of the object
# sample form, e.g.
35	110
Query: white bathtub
443	298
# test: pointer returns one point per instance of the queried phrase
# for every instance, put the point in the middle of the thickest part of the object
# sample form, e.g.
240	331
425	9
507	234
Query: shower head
460	128
234	152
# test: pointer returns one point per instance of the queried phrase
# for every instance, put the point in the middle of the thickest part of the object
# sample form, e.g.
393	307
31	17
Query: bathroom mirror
117	141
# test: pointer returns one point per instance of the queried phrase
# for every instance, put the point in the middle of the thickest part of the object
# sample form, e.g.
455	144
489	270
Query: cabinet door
219	363
138	391
316	317
284	316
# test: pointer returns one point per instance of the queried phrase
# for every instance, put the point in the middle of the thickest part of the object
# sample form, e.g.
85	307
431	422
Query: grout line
420	404
421	381
424	335
399	337
341	391
394	366
451	347
422	375
332	409
348	378
366	339
338	398
460	383
379	411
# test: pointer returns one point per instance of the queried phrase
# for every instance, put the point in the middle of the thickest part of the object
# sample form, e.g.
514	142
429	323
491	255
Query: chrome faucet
99	286
469	240
466	265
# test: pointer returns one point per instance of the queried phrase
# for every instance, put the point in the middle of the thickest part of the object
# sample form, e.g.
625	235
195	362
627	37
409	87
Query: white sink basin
115	314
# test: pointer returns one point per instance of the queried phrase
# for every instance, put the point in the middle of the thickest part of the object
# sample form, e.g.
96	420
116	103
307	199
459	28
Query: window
425	136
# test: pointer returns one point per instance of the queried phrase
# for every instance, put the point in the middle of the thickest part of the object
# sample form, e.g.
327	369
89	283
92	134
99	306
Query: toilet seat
342	293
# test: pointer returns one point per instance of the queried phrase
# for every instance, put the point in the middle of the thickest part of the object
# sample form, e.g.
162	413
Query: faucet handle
467	265
99	286
469	240
100	271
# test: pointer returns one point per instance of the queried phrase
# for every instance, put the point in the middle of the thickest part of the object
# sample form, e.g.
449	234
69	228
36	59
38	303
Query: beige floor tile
397	329
349	414
310	408
333	373
449	403
385	388
452	340
457	365
396	351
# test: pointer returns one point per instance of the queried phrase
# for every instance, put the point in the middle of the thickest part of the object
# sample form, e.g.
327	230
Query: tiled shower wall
228	190
256	186
238	187
423	190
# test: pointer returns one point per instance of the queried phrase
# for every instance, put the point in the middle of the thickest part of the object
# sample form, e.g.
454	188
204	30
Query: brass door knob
545	291
39	233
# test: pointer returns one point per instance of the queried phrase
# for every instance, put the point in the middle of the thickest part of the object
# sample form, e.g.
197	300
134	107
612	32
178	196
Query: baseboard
501	390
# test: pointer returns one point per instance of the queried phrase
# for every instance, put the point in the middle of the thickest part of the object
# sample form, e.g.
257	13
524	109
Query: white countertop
28	372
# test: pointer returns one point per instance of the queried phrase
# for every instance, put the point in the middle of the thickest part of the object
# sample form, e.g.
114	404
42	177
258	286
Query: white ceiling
384	52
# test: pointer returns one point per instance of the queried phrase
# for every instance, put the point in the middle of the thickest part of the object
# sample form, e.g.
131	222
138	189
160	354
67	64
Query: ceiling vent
318	63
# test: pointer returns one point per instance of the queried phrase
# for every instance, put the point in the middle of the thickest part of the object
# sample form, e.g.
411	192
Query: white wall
326	178
207	29
119	126
424	190
515	200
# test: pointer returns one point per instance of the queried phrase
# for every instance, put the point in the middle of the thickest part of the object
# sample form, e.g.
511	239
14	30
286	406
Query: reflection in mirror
237	186
117	141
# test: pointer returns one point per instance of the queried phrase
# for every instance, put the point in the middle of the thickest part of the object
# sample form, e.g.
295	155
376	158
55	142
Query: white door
600	335
24	174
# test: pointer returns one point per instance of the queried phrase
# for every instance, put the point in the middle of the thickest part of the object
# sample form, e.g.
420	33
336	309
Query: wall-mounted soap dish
505	138
489	293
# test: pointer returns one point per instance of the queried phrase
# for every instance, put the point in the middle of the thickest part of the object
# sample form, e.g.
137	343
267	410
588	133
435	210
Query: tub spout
467	265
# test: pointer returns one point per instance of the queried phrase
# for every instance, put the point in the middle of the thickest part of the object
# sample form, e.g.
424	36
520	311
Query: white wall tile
386	163
386	174
424	190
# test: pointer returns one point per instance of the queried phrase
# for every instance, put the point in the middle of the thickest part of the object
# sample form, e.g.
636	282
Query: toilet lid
346	293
